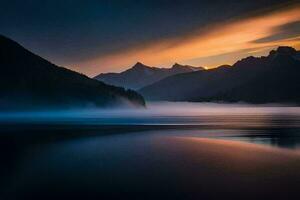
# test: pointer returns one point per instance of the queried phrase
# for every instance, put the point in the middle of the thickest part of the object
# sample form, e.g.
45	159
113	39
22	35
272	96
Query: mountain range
272	78
28	81
141	75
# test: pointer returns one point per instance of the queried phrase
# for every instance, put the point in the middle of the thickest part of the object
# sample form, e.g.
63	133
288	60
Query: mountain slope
281	84
141	75
274	78
29	81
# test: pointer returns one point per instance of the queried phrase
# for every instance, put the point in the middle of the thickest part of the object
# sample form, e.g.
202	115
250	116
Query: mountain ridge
30	81
140	75
226	83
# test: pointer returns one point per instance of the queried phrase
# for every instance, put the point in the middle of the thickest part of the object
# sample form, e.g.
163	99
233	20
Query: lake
166	151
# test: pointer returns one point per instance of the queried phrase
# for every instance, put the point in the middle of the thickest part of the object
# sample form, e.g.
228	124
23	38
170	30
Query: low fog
161	113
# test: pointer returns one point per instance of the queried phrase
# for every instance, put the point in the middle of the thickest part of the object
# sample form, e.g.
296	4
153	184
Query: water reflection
166	151
153	164
283	138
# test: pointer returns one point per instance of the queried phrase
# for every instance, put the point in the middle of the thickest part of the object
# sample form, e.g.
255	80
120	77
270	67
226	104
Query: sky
96	36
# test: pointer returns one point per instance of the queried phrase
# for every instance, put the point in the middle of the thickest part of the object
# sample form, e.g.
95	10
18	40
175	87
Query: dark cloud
72	30
283	32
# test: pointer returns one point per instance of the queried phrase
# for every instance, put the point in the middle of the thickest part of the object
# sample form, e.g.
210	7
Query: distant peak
176	65
139	65
283	50
247	59
286	50
186	68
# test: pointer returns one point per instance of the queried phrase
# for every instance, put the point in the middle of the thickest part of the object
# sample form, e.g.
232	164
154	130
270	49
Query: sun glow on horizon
210	46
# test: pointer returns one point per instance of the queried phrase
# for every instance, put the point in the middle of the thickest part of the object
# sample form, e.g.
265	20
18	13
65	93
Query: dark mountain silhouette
141	75
274	78
29	81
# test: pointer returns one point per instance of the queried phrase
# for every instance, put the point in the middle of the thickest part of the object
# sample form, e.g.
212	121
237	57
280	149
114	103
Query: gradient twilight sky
94	36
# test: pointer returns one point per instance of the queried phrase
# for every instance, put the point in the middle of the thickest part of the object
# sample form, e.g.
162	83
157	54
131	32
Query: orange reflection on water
236	156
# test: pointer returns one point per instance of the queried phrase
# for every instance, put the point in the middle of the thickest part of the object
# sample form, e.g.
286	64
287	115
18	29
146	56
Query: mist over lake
161	113
149	100
166	150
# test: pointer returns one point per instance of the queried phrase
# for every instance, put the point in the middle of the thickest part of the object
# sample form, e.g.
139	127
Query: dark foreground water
168	151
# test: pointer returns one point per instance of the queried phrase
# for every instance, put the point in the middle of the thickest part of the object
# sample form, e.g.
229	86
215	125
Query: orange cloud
234	38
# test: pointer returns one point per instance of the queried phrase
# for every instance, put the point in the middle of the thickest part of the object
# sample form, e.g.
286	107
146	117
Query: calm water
167	151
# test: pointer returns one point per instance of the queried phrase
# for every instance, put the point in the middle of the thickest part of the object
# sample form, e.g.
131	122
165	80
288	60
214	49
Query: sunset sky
104	36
